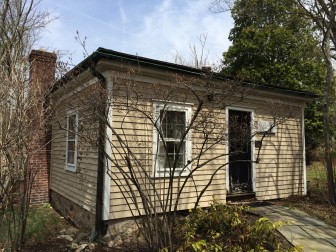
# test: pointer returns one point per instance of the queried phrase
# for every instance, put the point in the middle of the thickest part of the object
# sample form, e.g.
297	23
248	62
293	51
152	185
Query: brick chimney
42	76
42	69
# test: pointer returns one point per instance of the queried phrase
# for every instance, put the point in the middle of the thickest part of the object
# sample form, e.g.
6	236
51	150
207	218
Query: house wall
136	128
278	174
74	193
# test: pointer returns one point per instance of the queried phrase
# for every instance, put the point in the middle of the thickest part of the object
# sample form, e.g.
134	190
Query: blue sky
150	28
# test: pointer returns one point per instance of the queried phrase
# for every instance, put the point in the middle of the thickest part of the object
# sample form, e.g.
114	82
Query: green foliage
42	222
229	228
273	42
313	129
316	172
317	177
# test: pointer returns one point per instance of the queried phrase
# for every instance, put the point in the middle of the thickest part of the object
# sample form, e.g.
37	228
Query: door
240	167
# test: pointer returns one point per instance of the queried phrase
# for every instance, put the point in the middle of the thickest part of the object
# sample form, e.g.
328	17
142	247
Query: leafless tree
198	54
158	204
218	6
323	14
20	109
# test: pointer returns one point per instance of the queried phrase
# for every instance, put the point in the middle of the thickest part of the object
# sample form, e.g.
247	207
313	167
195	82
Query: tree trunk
326	118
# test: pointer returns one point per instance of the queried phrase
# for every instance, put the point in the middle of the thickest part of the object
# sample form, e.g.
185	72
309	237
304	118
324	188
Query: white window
71	141
170	148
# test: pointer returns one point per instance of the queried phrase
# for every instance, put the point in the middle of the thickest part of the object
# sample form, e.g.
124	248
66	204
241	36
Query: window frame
178	107
71	166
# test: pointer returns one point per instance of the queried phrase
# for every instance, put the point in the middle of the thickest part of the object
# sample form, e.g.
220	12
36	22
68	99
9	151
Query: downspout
99	223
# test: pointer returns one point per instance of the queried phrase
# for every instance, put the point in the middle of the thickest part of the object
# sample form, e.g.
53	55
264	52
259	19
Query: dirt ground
315	203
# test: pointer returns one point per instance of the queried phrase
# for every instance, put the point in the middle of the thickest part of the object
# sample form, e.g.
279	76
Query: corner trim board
107	179
108	151
304	166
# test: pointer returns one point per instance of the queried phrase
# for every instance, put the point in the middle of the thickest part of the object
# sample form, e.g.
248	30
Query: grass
42	223
316	173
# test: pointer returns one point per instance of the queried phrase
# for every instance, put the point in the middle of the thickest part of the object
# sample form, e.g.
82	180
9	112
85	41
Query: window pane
167	158
173	123
180	161
71	126
161	165
71	152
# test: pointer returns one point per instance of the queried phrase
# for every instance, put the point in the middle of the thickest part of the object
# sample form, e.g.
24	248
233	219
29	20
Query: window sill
71	168
162	176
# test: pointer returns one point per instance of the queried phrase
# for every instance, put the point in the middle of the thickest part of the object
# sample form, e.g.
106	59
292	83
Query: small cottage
133	136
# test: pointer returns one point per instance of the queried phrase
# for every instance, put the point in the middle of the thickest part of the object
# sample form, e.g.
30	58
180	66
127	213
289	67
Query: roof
103	53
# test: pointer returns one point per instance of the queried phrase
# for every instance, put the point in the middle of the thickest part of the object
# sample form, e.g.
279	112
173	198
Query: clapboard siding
278	173
137	130
280	170
80	186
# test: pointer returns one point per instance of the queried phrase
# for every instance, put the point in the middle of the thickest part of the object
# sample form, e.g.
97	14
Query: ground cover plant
43	226
42	223
223	227
217	228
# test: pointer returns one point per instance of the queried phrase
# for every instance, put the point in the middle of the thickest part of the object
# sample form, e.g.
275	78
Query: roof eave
102	53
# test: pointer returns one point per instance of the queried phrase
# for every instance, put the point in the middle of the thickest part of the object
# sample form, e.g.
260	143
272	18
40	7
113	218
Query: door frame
253	168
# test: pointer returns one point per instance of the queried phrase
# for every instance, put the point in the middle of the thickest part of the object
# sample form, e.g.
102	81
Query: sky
157	29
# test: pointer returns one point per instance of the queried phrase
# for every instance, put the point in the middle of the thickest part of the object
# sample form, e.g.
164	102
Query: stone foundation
120	233
124	233
120	226
73	212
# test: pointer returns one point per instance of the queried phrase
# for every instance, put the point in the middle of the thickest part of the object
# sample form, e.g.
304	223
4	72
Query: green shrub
42	222
228	228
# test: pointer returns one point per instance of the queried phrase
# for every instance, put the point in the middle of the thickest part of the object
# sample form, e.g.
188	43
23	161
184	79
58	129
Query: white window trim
157	106
69	166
